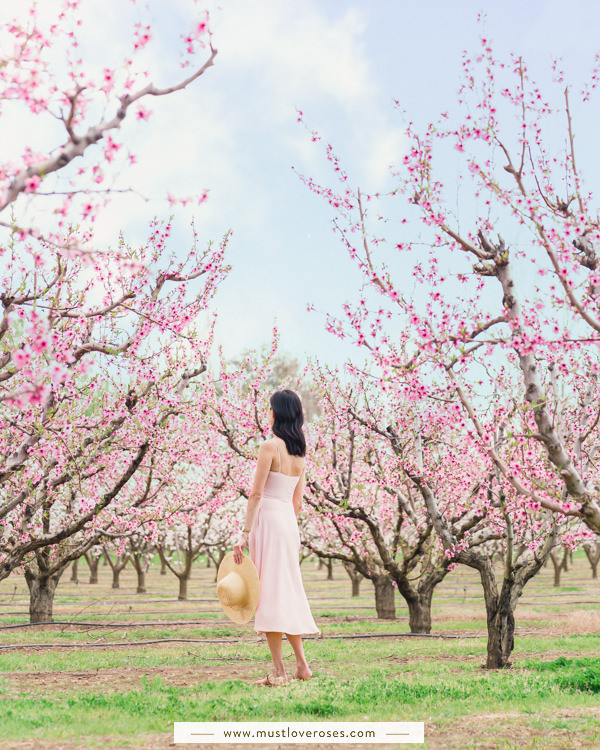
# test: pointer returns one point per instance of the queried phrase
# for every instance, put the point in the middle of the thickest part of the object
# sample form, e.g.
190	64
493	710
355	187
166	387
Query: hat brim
241	614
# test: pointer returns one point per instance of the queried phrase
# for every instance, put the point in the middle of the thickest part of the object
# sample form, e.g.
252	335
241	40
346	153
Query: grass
548	697
382	695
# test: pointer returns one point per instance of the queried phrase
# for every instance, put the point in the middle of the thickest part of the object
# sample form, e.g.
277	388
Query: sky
235	133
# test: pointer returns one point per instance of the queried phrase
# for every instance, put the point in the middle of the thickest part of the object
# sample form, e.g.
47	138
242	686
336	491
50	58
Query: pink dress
274	545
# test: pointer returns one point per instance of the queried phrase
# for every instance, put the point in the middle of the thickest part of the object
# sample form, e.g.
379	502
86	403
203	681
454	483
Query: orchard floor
117	668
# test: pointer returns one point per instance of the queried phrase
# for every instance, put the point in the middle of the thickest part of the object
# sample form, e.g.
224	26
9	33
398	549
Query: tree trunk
138	564
593	555
74	578
93	563
557	564
501	632
183	586
557	571
500	607
41	595
419	612
330	569
163	562
355	577
384	597
222	552
117	566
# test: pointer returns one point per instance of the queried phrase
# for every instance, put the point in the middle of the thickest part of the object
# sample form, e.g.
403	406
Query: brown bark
384	597
419	612
41	596
140	569
42	579
592	552
558	565
74	578
117	566
93	564
163	563
355	578
183	587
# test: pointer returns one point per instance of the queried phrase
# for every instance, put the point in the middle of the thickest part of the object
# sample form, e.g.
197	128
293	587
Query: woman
271	529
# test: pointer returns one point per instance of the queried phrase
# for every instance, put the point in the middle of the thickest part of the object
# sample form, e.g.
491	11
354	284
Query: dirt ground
124	679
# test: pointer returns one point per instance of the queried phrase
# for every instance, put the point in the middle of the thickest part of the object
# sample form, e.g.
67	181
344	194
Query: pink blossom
41	344
32	183
20	358
142	113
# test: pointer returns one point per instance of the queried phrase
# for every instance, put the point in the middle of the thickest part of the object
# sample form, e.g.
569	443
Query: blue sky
235	131
342	64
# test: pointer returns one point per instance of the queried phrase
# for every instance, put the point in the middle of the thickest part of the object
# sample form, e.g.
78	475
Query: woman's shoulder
267	448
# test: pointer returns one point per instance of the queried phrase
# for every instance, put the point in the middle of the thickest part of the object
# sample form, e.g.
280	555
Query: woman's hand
238	555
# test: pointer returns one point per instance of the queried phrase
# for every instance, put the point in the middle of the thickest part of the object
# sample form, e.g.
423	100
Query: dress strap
278	458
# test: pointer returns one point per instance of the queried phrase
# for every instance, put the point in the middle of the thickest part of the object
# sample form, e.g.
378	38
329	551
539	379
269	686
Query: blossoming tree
121	399
370	511
496	341
51	199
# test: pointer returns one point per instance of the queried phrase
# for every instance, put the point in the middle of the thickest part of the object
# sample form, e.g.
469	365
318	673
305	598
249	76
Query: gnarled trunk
355	578
74	578
93	563
384	597
41	594
501	634
500	607
419	612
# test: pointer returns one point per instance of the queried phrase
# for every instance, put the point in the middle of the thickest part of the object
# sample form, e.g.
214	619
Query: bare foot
272	681
303	673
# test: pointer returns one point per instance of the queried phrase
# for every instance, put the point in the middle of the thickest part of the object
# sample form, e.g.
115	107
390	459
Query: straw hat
238	588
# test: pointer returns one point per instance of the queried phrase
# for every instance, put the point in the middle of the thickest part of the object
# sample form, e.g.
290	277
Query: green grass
383	694
355	654
581	675
550	693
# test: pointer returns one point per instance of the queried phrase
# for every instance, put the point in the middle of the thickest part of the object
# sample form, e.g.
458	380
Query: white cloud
292	51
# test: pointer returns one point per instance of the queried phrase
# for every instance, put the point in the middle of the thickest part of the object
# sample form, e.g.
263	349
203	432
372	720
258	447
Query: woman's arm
299	494
263	466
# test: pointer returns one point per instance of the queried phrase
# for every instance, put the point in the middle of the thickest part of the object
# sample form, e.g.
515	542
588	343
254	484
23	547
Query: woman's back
283	463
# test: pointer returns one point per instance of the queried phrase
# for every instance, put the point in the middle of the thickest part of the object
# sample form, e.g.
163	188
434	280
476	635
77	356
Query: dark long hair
288	421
